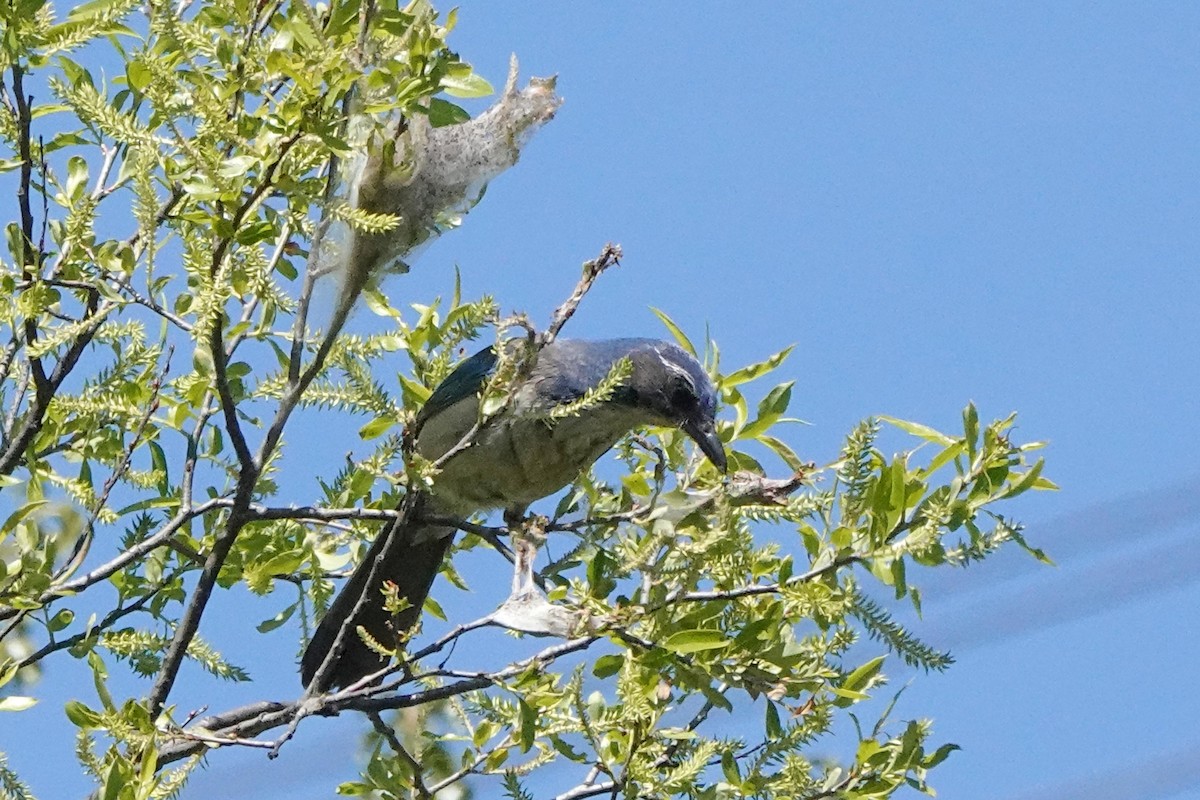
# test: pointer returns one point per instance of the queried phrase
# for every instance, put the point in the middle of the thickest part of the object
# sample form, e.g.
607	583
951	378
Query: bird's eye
683	397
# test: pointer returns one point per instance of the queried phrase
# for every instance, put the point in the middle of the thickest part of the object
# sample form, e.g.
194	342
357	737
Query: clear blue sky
938	203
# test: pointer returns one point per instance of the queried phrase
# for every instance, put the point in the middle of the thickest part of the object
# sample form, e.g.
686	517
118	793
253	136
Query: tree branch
190	623
588	790
256	718
30	261
610	256
248	474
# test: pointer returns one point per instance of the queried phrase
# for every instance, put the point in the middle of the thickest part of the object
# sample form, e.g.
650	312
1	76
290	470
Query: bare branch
256	511
254	719
250	468
588	790
30	261
756	589
190	623
610	256
136	297
45	388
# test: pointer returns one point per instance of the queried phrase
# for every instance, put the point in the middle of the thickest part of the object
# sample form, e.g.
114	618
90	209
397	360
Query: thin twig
453	636
397	746
75	561
127	557
755	589
30	261
610	256
136	297
588	790
469	769
110	619
217	340
10	354
189	624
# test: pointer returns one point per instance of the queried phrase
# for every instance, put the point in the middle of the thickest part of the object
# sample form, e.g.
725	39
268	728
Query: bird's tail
411	561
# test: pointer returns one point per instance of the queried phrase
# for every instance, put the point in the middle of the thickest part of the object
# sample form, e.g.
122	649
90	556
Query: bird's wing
465	381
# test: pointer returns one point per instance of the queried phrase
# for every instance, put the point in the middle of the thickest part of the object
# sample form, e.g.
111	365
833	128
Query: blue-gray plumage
520	458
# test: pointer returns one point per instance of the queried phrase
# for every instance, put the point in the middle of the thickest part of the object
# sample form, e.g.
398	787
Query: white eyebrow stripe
675	368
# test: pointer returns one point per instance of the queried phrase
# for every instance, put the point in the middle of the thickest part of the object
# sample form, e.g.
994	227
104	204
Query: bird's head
671	385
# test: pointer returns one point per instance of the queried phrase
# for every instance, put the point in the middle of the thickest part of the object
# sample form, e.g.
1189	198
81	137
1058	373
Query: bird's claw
529	611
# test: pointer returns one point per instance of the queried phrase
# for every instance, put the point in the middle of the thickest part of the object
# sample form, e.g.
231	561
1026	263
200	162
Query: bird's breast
519	459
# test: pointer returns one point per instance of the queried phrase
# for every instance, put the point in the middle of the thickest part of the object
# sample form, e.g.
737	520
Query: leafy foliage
174	223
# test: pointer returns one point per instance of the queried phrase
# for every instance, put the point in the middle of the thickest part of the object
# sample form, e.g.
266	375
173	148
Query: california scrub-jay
523	456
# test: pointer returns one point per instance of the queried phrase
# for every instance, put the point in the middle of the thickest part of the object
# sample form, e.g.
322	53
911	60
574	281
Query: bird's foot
530	612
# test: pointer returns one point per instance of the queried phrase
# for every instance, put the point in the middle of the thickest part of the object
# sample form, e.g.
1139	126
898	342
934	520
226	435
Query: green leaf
971	429
608	665
755	371
117	779
61	620
1025	482
378	303
139	75
17	702
917	429
860	677
237	166
783	451
1036	552
81	716
282	564
274	622
773	725
729	768
158	460
472	84
443	113
947	455
680	337
376	427
153	502
15	518
528	726
770	411
940	755
77	176
355	789
695	640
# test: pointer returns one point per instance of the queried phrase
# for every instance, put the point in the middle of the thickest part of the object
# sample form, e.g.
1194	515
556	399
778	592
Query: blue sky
937	203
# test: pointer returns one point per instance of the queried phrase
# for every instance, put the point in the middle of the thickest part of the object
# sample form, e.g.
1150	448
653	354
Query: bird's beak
704	433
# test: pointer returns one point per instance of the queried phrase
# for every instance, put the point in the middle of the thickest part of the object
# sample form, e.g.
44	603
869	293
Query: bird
524	455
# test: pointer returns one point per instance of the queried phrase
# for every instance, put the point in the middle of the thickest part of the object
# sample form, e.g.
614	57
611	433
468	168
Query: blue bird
520	458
